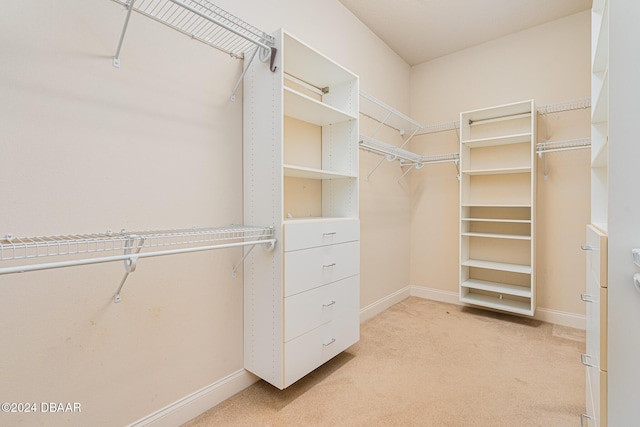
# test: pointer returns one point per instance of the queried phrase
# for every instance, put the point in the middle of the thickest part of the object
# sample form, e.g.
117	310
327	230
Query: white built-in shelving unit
497	207
302	303
596	247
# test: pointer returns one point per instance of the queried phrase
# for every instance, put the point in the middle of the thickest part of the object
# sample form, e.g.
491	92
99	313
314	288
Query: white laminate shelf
496	205
499	266
499	140
496	235
497	171
311	173
504	304
517	221
307	109
501	288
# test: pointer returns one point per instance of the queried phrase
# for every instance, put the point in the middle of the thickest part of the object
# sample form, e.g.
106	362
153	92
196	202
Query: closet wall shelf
387	115
570	144
406	158
207	23
570	105
84	249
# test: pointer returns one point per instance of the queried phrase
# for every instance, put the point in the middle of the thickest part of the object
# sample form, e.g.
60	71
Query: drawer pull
587	248
333	264
333	233
329	343
583	358
330	304
586	297
582	418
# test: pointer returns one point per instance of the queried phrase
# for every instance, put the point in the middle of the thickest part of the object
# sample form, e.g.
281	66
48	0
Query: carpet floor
426	363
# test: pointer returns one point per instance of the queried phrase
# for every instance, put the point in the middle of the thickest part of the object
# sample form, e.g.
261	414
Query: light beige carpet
424	363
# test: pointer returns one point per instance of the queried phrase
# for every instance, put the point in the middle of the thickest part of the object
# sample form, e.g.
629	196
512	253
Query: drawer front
310	268
592	301
603	416
303	235
308	310
597	258
305	353
603	327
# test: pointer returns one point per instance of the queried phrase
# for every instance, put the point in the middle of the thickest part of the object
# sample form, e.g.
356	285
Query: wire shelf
390	151
16	248
384	114
570	144
205	22
574	104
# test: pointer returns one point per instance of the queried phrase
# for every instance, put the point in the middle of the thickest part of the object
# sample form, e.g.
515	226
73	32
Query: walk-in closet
329	212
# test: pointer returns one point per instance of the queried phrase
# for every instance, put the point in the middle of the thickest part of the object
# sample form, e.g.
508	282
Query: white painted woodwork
302	301
310	268
309	234
308	310
497	207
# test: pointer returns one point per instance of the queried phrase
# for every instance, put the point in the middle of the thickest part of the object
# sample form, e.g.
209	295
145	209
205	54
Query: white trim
435	295
198	402
548	315
381	305
573	320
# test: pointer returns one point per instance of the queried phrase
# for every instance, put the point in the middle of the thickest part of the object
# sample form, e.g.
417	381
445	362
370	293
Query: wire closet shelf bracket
203	21
84	249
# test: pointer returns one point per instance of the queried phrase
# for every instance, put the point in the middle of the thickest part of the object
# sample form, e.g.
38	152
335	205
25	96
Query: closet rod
499	118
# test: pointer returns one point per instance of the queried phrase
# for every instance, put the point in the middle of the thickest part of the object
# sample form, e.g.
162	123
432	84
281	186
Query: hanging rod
570	144
203	21
165	242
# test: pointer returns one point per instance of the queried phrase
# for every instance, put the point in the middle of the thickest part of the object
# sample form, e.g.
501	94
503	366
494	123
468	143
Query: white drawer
311	234
308	310
597	254
310	268
308	351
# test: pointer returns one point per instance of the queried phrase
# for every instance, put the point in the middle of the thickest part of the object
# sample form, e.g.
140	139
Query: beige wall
550	64
156	144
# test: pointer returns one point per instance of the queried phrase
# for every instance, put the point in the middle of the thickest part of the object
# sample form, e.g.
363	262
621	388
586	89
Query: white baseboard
548	315
435	295
198	402
381	305
578	321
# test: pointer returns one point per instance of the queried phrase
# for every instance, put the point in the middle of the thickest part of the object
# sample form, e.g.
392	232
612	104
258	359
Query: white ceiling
421	30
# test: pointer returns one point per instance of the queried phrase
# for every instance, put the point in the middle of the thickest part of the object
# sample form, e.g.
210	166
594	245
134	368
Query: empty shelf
500	288
15	248
503	140
496	235
497	171
519	221
307	109
392	152
205	22
500	266
504	304
310	173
